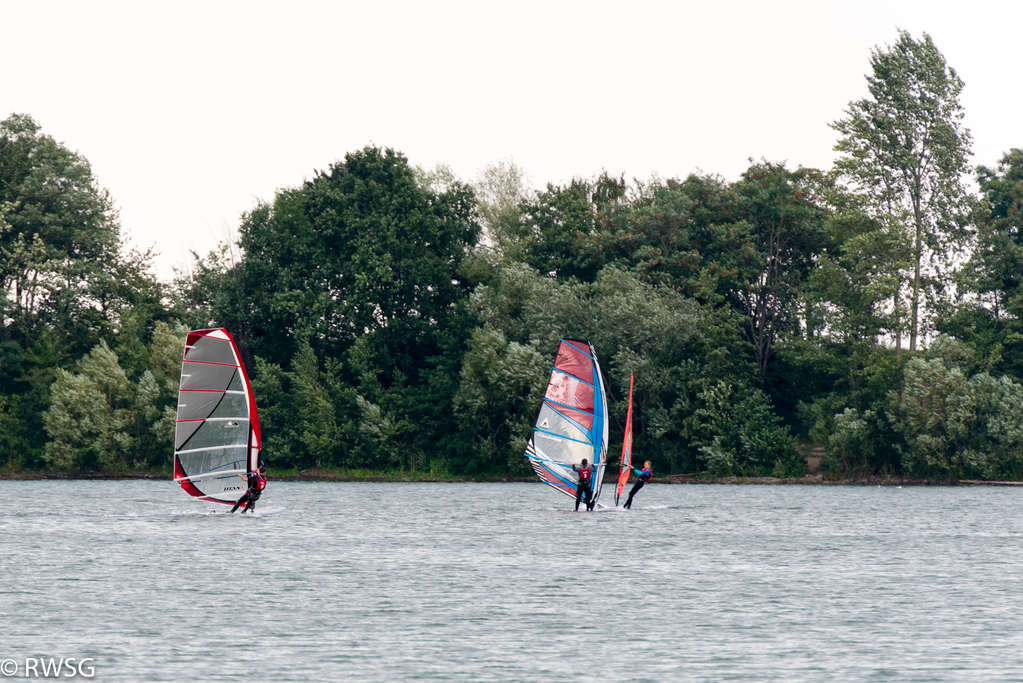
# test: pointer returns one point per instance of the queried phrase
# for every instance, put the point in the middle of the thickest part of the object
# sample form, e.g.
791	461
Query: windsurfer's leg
637	487
579	496
240	501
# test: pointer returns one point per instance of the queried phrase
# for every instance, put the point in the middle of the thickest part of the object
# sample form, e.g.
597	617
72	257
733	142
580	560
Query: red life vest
261	483
584	473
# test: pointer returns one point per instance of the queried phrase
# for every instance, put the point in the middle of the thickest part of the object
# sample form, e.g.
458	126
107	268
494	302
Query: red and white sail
626	467
217	433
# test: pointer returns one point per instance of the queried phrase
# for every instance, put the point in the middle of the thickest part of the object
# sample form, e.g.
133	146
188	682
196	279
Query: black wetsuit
585	486
251	495
644	477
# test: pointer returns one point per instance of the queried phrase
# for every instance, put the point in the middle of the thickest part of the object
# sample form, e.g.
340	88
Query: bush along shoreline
370	476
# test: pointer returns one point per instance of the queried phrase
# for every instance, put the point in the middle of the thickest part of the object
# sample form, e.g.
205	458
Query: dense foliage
395	318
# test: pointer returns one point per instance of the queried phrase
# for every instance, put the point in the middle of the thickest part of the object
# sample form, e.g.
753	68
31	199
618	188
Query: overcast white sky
191	112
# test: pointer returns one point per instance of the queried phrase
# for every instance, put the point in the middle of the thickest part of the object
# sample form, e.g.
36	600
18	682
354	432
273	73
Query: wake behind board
600	508
256	512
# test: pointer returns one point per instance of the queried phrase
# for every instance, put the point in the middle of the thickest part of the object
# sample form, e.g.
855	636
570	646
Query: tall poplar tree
904	146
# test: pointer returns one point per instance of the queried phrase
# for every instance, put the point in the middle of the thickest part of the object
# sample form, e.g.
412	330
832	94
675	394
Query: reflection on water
502	582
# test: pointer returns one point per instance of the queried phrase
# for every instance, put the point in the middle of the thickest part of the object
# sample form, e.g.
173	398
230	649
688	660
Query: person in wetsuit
644	477
586	474
256	483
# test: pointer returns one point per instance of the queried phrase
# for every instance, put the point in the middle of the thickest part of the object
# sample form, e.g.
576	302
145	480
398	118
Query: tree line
395	318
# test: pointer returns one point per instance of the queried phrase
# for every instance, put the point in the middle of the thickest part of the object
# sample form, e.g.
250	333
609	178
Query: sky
193	112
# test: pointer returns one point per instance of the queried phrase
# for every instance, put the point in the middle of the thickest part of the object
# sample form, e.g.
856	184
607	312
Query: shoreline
316	475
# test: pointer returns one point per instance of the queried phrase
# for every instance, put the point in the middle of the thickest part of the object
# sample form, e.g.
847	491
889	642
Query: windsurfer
644	476
586	473
256	483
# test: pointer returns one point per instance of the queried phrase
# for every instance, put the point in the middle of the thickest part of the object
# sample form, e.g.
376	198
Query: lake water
501	582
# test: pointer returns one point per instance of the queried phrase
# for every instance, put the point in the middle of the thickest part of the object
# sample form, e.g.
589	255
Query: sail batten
572	423
580	379
216	417
210	475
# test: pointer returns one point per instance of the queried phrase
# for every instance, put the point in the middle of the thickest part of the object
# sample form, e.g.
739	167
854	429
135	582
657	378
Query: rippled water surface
501	582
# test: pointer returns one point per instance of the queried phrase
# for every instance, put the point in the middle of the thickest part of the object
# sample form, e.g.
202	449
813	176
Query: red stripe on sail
623	476
573	361
196	335
584	419
209	362
217	500
569	391
553	480
186	484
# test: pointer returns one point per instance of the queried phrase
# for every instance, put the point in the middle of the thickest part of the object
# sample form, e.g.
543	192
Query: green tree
736	432
60	233
359	248
276	417
309	416
934	413
8	439
88	413
997	433
317	425
679	234
502	384
787	232
156	402
212	291
906	149
850	443
751	244
362	265
555	224
60	272
836	365
990	320
501	189
682	357
998	259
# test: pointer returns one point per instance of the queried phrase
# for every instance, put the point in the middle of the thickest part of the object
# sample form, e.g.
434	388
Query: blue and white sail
572	424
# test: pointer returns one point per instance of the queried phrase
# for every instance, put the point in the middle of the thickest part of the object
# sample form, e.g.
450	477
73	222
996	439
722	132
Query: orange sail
623	475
